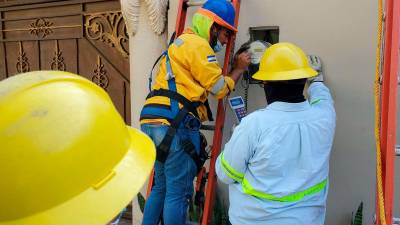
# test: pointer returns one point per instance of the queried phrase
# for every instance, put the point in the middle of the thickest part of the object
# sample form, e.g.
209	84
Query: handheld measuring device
238	106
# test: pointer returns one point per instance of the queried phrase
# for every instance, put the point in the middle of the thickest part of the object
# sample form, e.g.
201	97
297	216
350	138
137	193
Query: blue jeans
173	180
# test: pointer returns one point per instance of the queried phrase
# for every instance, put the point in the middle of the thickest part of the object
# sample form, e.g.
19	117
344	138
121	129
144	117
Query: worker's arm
319	94
232	163
206	70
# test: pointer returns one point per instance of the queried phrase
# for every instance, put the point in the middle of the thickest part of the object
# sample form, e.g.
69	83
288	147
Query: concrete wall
343	33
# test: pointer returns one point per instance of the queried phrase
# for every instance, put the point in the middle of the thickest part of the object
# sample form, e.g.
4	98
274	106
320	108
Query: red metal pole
181	19
389	105
150	184
218	133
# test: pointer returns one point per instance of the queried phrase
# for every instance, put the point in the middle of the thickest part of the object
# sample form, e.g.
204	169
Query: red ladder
388	103
206	218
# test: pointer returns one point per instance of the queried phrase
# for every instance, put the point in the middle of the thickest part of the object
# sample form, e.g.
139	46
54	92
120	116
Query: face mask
218	46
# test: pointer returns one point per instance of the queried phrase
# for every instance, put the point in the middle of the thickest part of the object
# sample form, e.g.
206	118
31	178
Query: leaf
357	219
352	218
141	201
359	215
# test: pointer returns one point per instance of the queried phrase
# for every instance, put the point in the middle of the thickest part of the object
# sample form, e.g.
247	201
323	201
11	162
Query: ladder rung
207	127
195	3
396	220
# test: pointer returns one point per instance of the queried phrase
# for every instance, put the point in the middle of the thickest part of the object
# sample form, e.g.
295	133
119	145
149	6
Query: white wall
343	33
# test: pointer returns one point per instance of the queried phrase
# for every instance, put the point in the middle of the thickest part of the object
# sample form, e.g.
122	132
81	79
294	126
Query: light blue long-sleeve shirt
279	151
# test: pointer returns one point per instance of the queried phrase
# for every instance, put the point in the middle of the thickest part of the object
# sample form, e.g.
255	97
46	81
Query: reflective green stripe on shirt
232	173
315	101
248	189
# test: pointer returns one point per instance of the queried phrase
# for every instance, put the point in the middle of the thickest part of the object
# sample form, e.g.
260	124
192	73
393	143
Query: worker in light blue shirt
277	161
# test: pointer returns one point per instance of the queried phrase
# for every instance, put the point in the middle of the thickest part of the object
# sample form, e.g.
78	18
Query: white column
145	45
144	48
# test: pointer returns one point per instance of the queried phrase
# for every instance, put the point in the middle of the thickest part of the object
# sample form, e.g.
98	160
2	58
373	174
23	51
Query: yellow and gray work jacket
196	72
277	162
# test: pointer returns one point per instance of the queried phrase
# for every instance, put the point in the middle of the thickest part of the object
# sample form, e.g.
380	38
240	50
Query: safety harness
174	115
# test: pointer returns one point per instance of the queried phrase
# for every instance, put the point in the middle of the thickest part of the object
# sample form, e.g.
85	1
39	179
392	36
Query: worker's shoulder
261	113
194	41
256	116
258	122
260	117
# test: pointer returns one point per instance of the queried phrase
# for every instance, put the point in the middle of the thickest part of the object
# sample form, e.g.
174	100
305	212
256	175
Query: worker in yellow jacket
177	105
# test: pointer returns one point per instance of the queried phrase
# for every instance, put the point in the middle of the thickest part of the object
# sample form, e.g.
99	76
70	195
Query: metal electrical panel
268	34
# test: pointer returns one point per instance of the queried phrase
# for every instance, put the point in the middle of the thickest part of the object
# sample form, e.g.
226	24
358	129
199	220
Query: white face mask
218	47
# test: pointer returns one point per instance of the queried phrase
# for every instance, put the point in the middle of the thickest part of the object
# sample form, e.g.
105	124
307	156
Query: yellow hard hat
284	61
66	155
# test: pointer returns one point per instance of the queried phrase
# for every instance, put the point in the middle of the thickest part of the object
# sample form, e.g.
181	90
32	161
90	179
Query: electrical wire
245	83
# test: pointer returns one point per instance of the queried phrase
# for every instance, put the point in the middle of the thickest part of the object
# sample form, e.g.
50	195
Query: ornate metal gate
87	37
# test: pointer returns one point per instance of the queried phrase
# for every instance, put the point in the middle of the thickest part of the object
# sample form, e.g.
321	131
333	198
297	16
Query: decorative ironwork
41	27
22	61
100	78
58	60
110	28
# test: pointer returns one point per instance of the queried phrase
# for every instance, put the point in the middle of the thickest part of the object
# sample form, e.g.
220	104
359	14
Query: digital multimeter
238	106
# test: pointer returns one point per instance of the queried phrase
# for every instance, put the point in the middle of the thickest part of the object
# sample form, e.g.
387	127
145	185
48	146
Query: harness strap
164	146
190	149
190	106
175	114
209	112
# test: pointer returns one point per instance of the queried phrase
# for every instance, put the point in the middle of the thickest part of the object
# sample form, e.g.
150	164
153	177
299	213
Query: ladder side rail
218	133
389	104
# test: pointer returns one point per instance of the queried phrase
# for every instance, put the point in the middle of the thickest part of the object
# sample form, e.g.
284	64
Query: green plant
220	212
194	212
357	219
141	201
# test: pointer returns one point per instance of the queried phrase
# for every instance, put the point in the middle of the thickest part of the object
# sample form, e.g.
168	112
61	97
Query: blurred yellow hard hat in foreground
66	155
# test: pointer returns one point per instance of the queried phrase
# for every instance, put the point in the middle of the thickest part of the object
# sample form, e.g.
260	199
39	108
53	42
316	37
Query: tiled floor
125	222
127	217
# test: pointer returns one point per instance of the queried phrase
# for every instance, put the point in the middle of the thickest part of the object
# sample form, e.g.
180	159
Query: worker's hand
316	63
243	49
242	61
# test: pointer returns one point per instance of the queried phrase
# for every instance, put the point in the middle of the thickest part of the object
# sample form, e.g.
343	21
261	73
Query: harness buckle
192	122
169	76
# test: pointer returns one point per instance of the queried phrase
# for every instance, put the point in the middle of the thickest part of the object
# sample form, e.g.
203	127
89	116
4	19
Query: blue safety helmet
221	11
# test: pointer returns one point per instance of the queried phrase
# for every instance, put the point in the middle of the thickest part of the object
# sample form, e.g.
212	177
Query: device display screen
236	101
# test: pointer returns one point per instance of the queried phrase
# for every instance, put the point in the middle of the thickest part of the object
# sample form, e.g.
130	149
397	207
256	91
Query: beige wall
343	33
